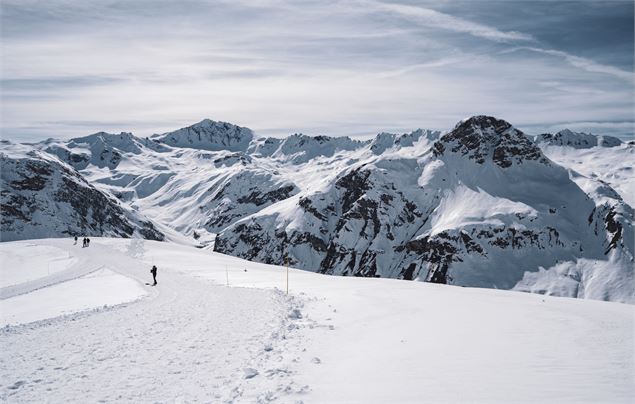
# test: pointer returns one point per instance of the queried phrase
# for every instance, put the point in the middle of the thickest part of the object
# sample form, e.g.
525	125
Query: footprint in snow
250	373
317	361
17	385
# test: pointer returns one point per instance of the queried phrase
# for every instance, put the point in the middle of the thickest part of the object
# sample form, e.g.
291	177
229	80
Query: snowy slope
482	205
43	197
332	339
612	165
92	291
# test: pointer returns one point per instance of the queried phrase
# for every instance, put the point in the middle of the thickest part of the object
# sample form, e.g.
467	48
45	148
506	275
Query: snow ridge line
24	327
41	283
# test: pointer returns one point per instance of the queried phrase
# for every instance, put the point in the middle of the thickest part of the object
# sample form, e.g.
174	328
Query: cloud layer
341	68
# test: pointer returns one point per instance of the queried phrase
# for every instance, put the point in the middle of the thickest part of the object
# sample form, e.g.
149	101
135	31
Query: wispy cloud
583	63
426	65
435	19
46	83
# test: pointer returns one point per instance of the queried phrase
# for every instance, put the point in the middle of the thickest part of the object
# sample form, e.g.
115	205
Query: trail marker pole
287	262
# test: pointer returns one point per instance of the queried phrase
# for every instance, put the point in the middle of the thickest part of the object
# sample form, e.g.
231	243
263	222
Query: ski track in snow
191	340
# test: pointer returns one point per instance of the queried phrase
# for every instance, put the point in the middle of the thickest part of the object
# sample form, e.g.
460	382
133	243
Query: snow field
87	292
614	165
332	339
41	260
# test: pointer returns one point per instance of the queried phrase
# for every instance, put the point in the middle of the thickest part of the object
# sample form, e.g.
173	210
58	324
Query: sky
359	67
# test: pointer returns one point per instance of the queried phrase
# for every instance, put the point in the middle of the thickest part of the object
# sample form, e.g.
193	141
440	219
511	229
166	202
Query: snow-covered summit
578	140
209	135
384	140
485	138
124	141
100	149
299	148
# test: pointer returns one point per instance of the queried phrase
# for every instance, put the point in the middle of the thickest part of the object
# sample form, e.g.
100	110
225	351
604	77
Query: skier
153	271
84	242
75	240
87	242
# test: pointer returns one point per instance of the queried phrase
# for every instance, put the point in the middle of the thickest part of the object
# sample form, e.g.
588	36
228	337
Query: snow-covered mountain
481	205
41	196
209	135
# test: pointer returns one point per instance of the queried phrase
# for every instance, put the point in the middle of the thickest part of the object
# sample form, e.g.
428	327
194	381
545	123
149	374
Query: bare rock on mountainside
42	197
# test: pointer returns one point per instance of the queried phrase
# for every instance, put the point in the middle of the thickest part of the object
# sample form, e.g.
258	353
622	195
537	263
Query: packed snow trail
188	341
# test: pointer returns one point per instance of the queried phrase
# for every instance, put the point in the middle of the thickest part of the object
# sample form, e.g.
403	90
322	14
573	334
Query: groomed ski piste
83	325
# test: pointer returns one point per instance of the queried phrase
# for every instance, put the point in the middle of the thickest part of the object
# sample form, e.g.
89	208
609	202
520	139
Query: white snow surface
39	261
102	287
463	206
613	165
220	329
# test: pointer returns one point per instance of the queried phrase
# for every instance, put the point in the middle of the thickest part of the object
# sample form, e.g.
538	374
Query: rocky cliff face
42	197
485	138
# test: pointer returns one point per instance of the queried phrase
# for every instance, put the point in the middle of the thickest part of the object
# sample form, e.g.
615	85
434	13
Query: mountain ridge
480	205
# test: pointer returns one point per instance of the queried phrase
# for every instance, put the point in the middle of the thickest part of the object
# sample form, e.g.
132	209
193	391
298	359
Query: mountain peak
209	135
385	140
105	137
482	138
487	126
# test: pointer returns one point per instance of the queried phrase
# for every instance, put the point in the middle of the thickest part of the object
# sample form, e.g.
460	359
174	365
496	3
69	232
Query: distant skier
75	240
84	242
153	271
87	242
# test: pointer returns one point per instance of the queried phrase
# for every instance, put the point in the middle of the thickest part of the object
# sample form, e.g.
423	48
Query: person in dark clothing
75	240
87	242
84	242
153	271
